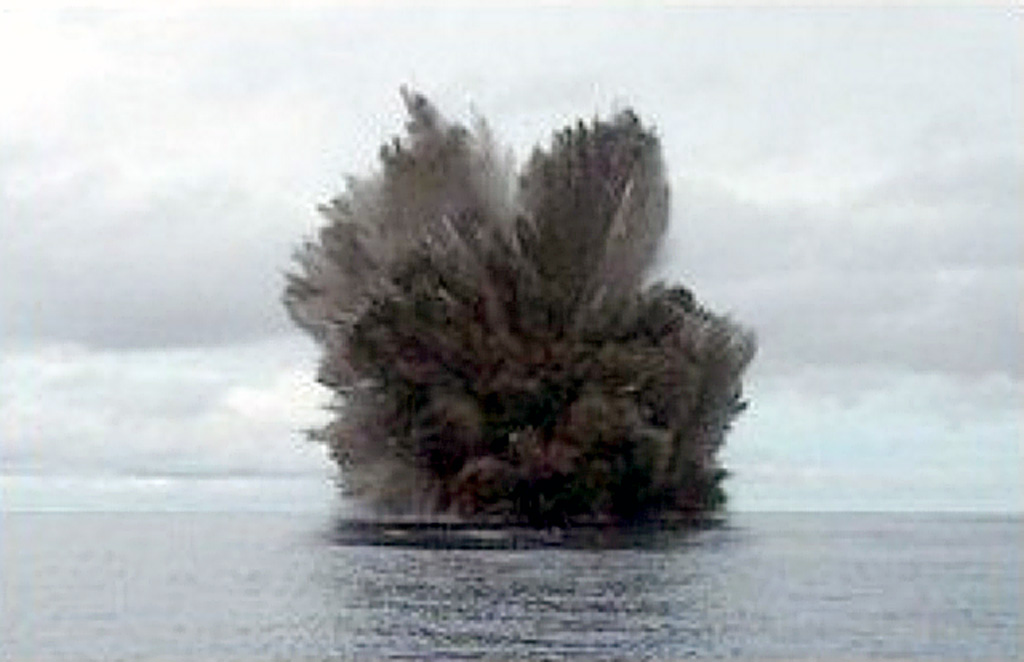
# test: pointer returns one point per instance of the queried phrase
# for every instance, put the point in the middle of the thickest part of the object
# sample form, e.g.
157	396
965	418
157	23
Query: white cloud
237	411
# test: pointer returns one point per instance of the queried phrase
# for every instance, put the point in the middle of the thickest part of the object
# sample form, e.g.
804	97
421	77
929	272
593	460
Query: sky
847	182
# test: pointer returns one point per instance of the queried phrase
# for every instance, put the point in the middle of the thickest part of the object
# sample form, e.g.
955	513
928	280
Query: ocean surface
244	586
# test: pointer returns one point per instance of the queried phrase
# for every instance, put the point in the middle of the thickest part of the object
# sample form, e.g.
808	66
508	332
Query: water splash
494	348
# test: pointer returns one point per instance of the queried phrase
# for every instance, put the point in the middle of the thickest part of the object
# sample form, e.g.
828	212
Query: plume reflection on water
645	595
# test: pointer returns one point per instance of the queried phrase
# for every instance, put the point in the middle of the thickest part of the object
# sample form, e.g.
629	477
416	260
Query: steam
490	339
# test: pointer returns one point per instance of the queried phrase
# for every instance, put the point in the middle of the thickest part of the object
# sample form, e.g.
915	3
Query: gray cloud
921	271
189	266
163	209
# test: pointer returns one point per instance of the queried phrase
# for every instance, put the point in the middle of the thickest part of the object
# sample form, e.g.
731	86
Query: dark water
278	587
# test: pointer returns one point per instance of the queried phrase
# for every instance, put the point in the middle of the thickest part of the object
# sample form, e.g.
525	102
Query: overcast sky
847	182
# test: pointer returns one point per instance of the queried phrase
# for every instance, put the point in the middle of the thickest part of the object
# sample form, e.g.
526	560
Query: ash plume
493	344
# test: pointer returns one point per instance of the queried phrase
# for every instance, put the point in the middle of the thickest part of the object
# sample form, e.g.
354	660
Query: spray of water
495	347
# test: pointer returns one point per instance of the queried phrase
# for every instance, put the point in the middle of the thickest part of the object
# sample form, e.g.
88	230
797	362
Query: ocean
253	586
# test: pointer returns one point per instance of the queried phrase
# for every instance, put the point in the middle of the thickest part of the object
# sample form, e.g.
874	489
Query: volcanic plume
493	339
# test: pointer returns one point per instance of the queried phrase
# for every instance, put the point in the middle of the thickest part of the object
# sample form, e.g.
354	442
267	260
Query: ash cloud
493	345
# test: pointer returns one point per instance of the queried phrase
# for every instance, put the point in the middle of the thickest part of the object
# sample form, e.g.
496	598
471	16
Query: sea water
250	586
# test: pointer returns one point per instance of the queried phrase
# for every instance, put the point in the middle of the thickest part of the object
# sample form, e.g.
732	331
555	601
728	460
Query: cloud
196	265
141	204
232	412
921	270
159	167
861	438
